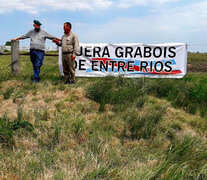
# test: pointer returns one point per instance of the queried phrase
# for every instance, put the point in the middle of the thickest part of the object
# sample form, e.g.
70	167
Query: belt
37	50
67	52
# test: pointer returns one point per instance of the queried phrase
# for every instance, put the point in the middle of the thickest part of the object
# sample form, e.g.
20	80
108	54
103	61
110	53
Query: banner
131	60
60	62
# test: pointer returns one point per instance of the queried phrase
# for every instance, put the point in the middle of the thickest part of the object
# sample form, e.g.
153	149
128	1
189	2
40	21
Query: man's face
66	29
36	26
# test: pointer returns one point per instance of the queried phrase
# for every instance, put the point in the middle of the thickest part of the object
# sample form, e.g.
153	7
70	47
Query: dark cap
37	22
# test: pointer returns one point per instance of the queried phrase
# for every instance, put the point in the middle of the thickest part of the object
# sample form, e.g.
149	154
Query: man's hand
56	41
73	58
14	39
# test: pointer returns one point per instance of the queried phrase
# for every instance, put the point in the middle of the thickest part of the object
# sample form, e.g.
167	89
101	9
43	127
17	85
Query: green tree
8	43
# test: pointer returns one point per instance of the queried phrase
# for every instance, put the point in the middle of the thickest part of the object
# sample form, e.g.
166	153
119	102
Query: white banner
131	60
60	62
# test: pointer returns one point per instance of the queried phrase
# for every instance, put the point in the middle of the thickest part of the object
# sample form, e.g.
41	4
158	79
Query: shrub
8	127
115	91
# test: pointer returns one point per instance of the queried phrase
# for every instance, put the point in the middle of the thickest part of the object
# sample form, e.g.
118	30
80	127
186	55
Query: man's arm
51	37
25	36
16	39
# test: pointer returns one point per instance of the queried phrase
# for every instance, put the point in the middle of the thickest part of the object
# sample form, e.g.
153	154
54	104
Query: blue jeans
37	60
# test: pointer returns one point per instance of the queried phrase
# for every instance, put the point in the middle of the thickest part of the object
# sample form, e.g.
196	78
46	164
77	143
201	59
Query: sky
110	21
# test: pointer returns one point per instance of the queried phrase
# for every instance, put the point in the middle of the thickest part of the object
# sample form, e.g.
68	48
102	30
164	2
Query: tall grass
183	160
116	91
8	127
189	93
144	124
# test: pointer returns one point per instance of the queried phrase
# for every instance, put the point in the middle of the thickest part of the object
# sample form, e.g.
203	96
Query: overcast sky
110	21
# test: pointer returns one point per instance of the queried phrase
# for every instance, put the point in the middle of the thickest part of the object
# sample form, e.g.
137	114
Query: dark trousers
37	60
68	66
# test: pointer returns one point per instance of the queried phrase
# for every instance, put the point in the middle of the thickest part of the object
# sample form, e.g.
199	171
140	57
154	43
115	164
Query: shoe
72	82
67	82
35	80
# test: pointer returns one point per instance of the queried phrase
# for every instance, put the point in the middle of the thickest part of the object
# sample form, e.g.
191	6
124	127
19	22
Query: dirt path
197	67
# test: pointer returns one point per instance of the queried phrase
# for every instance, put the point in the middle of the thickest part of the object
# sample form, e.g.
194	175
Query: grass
189	93
142	124
180	163
115	91
197	57
101	128
8	127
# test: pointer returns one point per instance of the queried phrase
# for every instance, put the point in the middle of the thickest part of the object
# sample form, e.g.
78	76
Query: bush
8	127
115	91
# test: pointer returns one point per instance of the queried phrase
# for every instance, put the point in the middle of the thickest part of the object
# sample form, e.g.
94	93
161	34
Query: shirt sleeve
49	36
27	35
76	46
60	42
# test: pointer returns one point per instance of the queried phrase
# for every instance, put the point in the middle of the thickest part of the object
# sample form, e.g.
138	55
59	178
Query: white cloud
132	3
35	7
179	24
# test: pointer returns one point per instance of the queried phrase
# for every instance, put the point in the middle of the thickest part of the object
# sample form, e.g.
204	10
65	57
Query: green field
103	128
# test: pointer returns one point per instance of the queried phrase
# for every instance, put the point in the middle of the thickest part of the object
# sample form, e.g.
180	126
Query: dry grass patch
11	83
9	108
48	101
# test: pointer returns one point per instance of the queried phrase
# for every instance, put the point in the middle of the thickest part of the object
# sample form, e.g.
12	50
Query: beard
37	30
